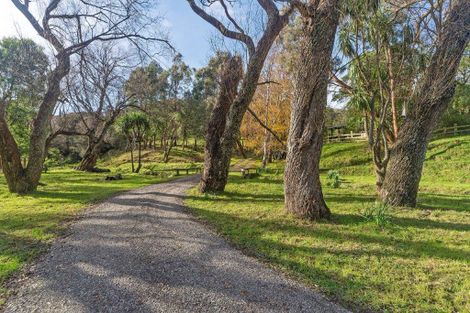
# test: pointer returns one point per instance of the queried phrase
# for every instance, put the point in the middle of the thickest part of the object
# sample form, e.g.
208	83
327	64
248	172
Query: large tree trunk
92	153
303	193
88	163
23	180
257	56
214	176
432	97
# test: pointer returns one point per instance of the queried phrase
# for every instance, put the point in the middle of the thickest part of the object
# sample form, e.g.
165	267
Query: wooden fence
438	133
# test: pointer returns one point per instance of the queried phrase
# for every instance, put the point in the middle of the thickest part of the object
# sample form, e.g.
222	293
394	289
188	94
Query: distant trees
169	97
257	54
95	92
271	104
68	29
134	125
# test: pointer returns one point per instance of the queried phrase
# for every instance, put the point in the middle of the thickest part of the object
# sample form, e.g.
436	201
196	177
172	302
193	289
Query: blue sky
188	32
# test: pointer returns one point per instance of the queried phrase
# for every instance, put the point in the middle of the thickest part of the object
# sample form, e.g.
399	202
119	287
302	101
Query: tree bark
26	179
433	95
215	173
88	163
257	55
139	156
132	155
303	192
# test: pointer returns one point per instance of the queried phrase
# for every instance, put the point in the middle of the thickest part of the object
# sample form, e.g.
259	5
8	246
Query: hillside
368	256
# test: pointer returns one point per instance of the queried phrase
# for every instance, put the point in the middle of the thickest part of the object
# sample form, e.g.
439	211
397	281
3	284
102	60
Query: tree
407	42
134	125
257	54
23	68
68	29
271	104
432	96
95	92
302	187
379	47
164	96
230	75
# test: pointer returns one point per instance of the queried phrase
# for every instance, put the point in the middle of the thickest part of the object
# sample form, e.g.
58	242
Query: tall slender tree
257	53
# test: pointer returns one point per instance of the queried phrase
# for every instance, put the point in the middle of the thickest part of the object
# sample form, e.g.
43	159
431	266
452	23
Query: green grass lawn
418	262
29	223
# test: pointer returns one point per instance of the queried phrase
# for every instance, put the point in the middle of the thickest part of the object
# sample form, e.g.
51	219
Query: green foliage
54	158
23	70
379	213
134	125
334	179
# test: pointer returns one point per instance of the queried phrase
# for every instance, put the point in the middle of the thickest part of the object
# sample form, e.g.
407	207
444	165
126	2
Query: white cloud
14	24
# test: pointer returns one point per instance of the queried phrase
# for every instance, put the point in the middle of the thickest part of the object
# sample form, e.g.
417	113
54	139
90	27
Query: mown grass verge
29	223
419	261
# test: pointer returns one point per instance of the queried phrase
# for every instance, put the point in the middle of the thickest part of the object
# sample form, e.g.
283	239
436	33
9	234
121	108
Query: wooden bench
178	171
249	172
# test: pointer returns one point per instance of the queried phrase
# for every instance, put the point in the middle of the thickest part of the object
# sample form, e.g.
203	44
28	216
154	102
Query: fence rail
440	132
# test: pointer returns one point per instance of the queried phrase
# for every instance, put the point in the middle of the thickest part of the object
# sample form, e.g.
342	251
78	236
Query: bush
334	179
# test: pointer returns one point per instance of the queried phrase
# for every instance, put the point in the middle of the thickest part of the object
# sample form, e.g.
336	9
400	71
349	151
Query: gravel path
141	252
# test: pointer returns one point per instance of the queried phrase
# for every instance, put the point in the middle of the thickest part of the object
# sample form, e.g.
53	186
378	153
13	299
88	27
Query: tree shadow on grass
445	202
396	247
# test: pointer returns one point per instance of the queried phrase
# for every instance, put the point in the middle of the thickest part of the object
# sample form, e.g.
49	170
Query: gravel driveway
141	252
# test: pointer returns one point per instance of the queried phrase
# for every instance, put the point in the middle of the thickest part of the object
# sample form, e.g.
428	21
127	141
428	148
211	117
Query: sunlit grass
419	262
28	223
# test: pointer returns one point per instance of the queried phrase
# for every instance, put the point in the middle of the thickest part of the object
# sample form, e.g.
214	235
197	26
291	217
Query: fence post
351	134
455	129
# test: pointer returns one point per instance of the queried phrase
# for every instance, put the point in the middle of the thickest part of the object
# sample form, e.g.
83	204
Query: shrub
379	213
334	179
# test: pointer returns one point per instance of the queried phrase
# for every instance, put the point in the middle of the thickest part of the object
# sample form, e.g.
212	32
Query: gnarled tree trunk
92	153
433	95
95	143
214	176
303	193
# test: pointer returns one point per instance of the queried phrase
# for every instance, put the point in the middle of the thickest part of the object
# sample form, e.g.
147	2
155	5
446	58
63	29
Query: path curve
141	252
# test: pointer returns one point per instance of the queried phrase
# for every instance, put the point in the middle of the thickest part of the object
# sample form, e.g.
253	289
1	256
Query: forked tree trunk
95	142
214	175
433	95
26	179
303	192
257	55
88	163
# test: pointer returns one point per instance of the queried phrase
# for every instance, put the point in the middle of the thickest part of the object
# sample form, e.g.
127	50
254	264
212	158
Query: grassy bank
29	223
403	260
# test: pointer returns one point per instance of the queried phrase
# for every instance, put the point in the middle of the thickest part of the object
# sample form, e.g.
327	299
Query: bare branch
247	40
